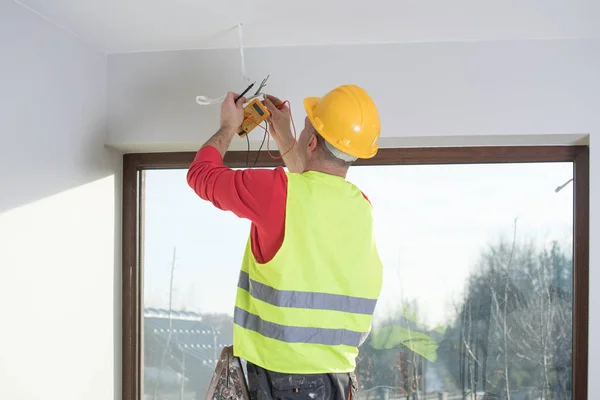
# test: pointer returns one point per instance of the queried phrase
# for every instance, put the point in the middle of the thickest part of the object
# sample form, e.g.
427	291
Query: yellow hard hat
347	118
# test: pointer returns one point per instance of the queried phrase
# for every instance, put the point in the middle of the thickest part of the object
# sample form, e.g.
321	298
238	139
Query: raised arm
279	128
232	116
247	193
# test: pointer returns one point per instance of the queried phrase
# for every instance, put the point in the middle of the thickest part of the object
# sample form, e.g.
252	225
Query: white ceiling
118	26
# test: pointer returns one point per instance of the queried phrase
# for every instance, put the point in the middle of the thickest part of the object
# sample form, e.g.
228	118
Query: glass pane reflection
477	296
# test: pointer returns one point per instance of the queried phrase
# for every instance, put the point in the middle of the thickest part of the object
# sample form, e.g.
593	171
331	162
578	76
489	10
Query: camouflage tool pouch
228	381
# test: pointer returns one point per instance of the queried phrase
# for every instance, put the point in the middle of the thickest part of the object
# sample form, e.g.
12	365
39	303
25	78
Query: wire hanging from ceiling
205	100
241	39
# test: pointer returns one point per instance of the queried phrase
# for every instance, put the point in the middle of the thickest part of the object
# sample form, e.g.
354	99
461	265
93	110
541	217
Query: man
311	274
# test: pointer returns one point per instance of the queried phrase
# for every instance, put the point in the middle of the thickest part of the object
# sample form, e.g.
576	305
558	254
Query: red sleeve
255	194
366	198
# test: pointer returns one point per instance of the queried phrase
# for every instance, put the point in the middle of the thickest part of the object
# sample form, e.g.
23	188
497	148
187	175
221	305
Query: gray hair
338	153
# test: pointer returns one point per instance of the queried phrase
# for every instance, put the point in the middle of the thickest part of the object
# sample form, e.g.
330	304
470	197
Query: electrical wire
259	149
205	100
262	144
247	151
241	39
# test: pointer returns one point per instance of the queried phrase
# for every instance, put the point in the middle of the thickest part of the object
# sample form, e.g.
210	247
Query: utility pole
170	330
215	333
182	382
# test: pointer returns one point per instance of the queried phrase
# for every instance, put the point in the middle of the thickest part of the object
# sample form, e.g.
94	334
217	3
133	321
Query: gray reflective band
310	300
297	334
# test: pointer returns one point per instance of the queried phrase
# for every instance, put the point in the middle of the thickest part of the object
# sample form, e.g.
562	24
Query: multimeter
255	113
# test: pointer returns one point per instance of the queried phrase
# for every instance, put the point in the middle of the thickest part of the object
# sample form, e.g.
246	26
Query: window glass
477	294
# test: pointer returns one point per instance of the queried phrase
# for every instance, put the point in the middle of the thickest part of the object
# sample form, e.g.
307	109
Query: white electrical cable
241	38
205	100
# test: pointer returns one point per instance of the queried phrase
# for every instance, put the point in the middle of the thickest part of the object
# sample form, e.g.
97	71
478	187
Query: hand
279	127
279	121
232	113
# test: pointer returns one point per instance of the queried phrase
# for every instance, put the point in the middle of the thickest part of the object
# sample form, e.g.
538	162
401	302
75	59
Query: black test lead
244	92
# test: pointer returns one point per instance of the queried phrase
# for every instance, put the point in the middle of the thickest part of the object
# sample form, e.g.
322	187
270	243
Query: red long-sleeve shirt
258	195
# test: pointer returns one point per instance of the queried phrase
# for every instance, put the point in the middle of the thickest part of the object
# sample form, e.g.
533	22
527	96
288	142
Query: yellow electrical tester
255	113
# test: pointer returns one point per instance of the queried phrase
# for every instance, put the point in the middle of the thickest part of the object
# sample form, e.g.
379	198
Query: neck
327	169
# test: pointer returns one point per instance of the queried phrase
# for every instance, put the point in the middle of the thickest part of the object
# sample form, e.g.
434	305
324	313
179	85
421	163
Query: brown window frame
132	225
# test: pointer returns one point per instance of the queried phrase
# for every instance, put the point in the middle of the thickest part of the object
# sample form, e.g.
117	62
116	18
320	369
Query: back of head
330	155
347	125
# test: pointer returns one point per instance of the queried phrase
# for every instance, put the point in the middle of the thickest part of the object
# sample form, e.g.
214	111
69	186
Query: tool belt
229	383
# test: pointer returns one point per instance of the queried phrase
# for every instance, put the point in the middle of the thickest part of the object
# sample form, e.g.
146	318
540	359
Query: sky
431	223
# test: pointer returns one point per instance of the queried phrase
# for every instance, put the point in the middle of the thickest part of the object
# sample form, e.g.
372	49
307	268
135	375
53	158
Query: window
485	284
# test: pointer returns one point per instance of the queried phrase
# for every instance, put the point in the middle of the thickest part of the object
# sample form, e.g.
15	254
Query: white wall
59	216
426	92
60	189
429	94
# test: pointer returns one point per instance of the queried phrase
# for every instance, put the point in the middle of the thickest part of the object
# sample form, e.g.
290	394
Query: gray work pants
268	385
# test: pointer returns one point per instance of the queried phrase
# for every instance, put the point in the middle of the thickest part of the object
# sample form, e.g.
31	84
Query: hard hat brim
310	103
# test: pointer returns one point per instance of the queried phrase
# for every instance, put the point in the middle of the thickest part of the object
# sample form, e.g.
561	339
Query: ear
312	142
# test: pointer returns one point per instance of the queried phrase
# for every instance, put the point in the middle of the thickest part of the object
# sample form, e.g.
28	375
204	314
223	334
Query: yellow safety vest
308	309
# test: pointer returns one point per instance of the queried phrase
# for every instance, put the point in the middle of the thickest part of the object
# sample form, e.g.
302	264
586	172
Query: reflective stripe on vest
297	334
310	300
